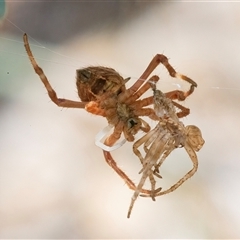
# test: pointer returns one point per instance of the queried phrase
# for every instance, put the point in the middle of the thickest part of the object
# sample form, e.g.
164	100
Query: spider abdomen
94	82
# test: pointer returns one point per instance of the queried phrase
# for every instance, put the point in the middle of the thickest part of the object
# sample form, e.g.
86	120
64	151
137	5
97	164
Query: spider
168	135
103	92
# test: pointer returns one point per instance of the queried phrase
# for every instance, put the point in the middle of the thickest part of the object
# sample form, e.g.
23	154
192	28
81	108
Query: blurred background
54	182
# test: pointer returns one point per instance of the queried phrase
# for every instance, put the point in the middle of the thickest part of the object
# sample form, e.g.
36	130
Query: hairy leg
159	58
61	102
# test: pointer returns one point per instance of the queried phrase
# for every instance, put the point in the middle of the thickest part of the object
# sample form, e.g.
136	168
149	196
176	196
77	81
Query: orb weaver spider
103	92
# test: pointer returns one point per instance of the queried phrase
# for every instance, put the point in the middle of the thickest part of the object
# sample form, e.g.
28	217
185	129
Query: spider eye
83	75
132	122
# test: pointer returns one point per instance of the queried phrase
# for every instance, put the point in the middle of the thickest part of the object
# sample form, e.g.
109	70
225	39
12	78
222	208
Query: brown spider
103	92
168	135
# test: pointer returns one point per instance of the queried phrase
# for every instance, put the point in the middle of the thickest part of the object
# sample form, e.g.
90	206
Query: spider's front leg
61	102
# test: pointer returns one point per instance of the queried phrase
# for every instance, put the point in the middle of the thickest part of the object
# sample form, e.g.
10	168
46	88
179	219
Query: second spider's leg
61	102
194	142
146	173
154	145
138	190
155	151
158	165
189	174
147	140
141	141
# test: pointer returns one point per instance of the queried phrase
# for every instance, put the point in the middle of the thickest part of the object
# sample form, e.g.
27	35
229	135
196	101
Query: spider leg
139	110
189	174
110	161
146	112
179	95
145	126
151	177
153	186
158	146
150	137
115	135
184	111
61	102
194	142
143	102
163	157
159	58
155	151
149	161
138	190
102	134
142	90
141	141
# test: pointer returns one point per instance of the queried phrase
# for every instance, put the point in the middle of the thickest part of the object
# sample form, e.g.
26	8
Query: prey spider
103	92
168	135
